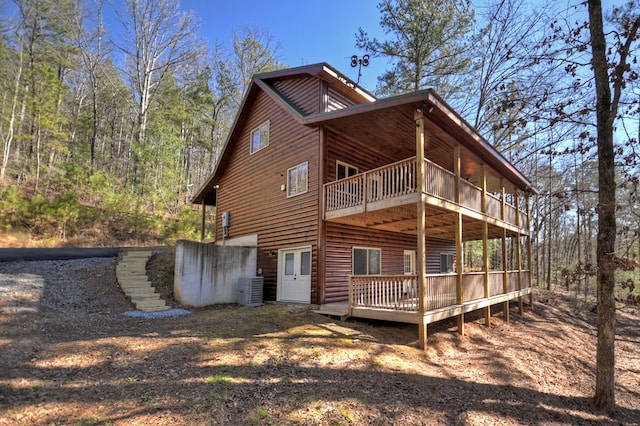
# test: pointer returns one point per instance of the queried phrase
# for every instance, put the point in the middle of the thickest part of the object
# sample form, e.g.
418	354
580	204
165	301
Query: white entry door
294	275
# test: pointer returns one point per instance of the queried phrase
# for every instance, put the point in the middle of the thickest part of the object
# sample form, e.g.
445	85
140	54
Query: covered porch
471	201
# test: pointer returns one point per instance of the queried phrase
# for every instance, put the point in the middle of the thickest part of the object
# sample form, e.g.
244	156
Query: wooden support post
505	262
529	264
459	267
203	221
421	237
518	257
485	267
485	247
458	237
505	277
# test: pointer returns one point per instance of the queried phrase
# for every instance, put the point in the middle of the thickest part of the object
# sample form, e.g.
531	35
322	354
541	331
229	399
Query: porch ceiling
392	131
439	223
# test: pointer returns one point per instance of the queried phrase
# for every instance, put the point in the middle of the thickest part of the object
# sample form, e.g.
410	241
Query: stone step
131	273
140	291
137	255
148	301
136	284
153	308
143	298
134	261
132	265
132	278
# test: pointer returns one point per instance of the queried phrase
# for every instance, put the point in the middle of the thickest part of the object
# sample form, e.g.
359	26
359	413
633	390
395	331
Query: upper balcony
386	197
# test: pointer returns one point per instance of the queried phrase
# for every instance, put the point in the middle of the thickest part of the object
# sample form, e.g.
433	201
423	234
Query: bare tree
8	133
159	38
607	103
254	50
91	48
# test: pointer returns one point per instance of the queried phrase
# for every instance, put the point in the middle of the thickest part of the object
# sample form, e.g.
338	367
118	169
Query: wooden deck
393	298
385	198
434	315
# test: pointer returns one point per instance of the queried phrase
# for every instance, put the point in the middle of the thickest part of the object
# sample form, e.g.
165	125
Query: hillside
69	356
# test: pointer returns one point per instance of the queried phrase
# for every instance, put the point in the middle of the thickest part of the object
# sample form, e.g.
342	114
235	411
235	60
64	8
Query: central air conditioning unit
250	291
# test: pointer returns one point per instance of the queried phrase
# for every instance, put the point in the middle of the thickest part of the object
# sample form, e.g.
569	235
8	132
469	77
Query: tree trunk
605	257
10	131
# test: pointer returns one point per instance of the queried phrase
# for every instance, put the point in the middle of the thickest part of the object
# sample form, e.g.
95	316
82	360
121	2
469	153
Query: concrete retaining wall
207	274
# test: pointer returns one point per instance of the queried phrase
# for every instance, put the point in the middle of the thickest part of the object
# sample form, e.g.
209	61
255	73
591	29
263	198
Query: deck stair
131	272
340	309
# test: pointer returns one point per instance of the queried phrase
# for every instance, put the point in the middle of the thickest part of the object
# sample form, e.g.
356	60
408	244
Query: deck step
131	273
340	310
342	316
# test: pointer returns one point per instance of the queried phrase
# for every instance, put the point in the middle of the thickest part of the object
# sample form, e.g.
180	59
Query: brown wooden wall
341	239
353	152
250	189
304	93
338	101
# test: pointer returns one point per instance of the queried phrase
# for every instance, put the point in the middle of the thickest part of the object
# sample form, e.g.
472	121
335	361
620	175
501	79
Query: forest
104	137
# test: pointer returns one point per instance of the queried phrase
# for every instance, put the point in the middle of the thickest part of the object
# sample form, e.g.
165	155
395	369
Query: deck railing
398	179
391	181
471	196
344	193
441	291
400	292
439	181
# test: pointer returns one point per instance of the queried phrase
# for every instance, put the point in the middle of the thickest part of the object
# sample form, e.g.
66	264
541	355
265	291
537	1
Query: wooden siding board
301	92
342	238
250	189
338	100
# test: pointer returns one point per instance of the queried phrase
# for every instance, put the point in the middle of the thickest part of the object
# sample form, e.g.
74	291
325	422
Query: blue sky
308	31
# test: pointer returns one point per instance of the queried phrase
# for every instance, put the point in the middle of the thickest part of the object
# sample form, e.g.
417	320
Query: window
343	170
446	262
305	263
297	179
366	261
409	262
260	137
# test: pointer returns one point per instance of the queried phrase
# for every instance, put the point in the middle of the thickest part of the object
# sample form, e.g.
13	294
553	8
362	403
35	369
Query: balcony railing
400	292
399	179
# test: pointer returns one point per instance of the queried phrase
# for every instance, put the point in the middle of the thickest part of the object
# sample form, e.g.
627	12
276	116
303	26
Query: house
371	202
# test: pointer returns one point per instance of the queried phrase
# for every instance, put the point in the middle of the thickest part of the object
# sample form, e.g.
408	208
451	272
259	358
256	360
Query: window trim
289	194
412	261
260	129
453	259
367	249
347	167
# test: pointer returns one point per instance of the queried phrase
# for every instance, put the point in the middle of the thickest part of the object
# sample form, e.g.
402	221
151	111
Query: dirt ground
69	356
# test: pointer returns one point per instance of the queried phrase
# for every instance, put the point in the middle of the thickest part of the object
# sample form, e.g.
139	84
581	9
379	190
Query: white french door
294	275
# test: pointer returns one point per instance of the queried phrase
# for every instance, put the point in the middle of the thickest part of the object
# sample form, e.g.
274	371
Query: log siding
250	190
318	117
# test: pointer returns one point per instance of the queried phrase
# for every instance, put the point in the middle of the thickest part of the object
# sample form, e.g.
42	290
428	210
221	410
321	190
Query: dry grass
64	364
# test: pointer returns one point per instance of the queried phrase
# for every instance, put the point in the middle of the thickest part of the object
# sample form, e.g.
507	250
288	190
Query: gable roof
207	192
379	116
